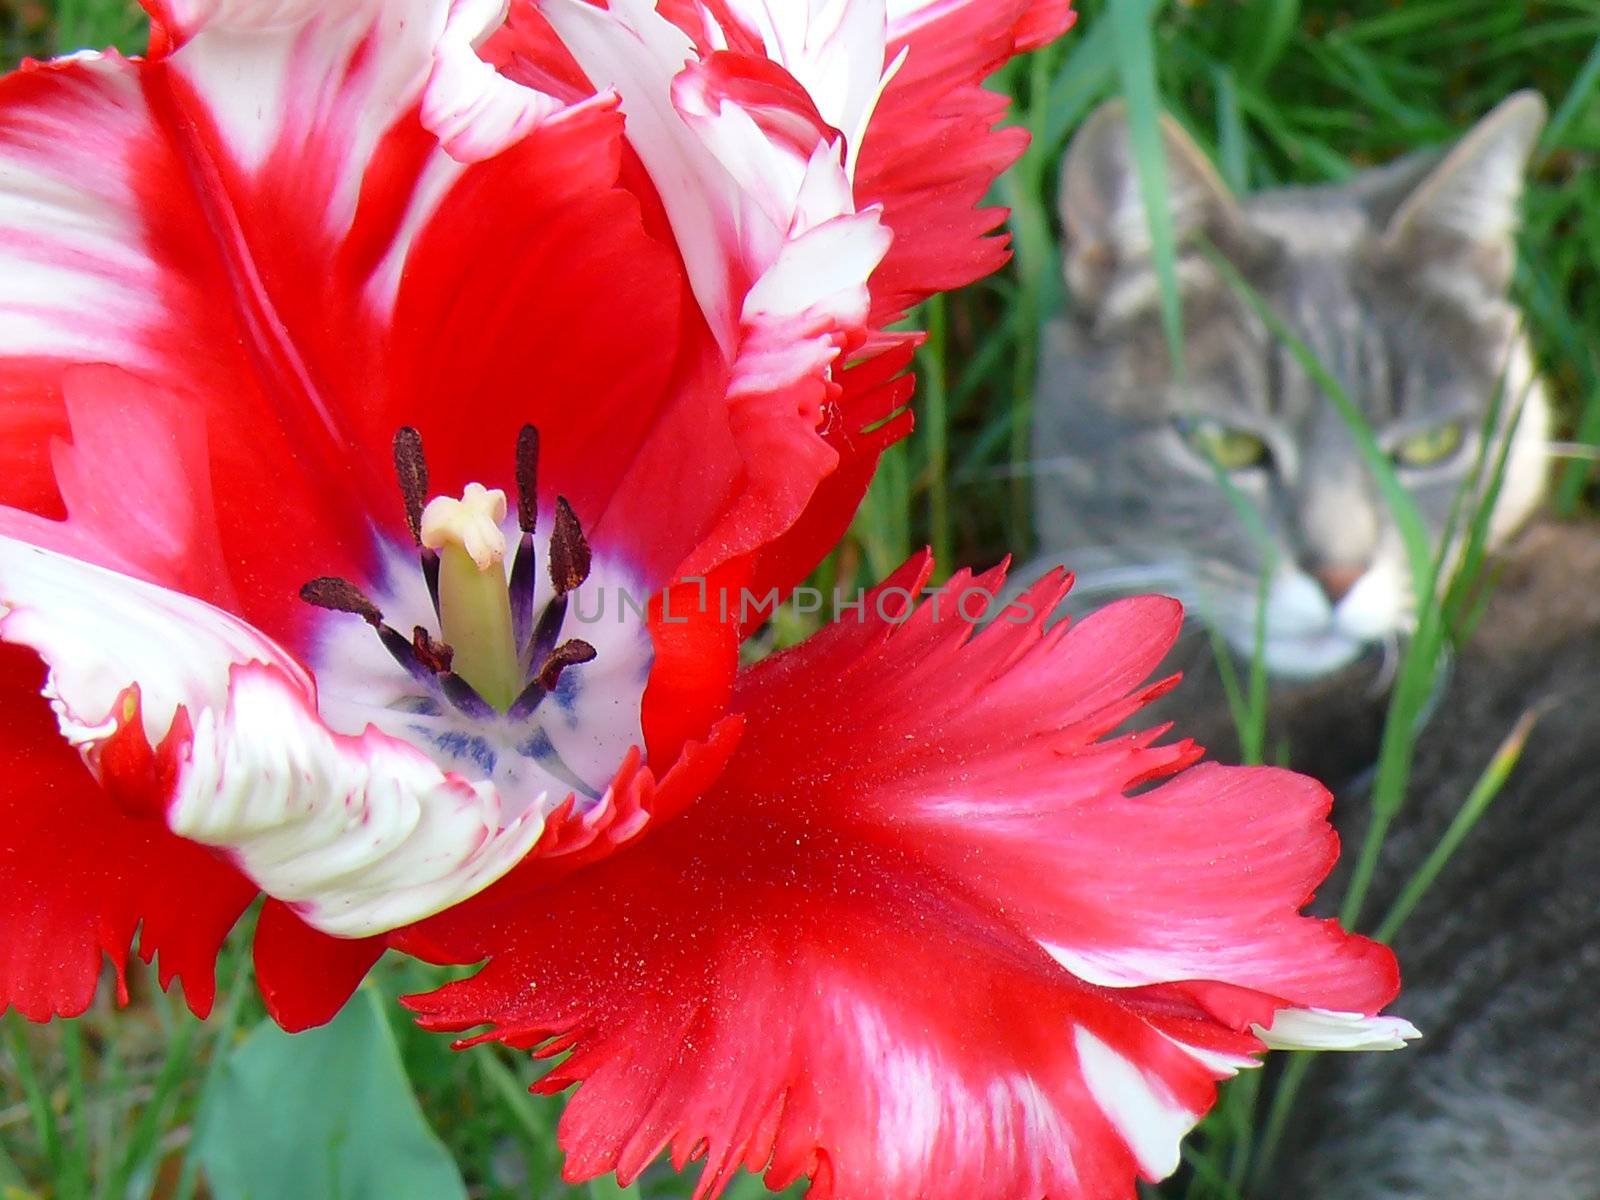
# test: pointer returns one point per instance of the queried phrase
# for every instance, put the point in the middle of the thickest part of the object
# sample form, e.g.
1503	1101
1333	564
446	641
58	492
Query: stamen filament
523	589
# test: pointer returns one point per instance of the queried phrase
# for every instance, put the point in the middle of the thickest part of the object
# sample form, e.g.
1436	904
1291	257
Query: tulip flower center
494	694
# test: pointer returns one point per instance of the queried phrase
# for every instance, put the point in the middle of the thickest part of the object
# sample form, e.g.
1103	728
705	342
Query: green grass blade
1476	550
1233	144
1477	803
224	1027
513	1094
1243	1095
933	426
1210	1174
881	526
76	1169
1574	104
1239	706
1132	22
45	1127
1275	22
146	1135
1088	75
1279	1112
1033	244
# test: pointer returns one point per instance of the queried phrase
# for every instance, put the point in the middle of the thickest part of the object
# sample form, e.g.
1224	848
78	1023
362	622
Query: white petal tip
1322	1029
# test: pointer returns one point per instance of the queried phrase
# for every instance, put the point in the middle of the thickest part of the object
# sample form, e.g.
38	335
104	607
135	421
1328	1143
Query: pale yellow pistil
474	595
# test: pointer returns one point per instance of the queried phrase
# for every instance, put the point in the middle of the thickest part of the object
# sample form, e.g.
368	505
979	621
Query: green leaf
323	1115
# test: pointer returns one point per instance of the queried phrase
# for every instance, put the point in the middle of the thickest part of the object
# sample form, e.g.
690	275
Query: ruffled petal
932	152
188	714
1172	905
474	110
844	961
358	835
103	633
840	1015
80	876
836	51
632	50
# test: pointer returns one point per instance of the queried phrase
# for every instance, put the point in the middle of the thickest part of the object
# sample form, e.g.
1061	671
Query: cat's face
1203	485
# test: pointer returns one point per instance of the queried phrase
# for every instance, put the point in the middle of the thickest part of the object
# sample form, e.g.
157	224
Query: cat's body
1500	1100
1397	282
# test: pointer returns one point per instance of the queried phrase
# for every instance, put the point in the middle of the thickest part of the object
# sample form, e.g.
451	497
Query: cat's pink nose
1338	580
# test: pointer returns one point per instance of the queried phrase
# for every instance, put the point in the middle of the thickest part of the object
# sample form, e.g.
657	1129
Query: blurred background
145	1101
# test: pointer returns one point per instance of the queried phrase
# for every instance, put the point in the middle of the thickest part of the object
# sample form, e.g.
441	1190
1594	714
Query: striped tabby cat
1397	280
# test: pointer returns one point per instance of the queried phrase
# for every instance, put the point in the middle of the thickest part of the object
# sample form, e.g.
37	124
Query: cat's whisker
1128	579
1388	669
1225	576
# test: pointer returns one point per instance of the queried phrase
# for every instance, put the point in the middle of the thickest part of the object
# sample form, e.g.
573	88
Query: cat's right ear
1464	213
1102	210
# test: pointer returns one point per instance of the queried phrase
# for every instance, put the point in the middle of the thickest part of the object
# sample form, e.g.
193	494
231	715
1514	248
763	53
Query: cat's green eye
1429	447
1231	449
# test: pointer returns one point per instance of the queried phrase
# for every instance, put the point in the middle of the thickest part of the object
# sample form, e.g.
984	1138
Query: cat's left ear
1465	210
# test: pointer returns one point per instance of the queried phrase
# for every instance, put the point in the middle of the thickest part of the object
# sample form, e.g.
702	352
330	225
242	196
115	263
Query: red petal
835	964
697	653
828	1009
306	976
132	475
78	874
32	415
871	414
931	152
535	295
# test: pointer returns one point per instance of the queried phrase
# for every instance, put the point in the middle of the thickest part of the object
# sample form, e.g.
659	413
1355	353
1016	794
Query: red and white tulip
613	262
350	354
